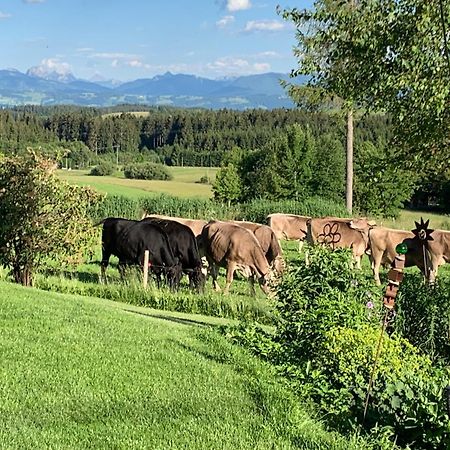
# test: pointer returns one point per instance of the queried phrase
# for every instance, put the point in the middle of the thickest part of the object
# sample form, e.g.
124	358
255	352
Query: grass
83	373
407	218
184	183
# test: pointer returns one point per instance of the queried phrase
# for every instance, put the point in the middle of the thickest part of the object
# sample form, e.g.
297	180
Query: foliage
227	186
314	298
42	217
424	316
382	186
103	169
325	342
407	392
196	208
391	56
147	171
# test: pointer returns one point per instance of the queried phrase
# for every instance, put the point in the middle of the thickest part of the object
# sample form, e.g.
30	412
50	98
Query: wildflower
369	305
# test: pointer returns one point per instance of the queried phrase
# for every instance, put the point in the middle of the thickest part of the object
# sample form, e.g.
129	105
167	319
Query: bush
407	392
147	171
326	339
424	315
102	169
41	217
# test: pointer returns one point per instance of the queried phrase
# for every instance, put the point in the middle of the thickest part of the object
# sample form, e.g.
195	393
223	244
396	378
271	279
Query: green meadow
185	183
83	373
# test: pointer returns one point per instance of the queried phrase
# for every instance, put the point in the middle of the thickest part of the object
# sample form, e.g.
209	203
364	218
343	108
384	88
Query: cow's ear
357	224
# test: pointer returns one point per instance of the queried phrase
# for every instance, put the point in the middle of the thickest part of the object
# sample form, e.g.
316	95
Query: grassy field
84	373
184	183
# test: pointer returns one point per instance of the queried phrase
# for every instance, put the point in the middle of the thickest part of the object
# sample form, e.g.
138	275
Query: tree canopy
388	55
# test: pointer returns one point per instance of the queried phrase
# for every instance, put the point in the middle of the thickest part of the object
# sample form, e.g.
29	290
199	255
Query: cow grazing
382	243
231	246
128	240
268	241
184	247
341	233
289	227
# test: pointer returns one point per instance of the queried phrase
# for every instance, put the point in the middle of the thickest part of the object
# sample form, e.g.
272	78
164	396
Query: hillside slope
80	373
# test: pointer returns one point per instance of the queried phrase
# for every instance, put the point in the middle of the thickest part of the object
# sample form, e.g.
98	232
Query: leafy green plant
103	169
147	171
42	216
424	316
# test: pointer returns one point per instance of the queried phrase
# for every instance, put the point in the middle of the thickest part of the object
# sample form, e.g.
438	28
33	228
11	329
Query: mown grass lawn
78	372
185	183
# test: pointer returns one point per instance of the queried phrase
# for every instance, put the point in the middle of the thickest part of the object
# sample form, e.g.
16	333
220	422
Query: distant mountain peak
53	83
62	76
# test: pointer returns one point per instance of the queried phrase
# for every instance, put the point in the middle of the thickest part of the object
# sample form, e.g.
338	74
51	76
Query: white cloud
137	63
236	66
4	15
225	21
238	5
264	25
49	65
113	55
30	2
268	54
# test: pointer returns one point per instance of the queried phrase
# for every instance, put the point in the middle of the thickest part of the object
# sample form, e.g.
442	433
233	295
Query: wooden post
146	257
349	180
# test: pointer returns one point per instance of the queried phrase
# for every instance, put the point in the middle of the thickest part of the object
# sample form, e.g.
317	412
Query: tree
42	216
389	55
227	186
381	185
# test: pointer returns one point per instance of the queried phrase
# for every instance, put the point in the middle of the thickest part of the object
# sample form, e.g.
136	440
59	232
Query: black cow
184	247
128	240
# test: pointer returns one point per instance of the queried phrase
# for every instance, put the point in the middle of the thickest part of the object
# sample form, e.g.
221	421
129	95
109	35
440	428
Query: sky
130	39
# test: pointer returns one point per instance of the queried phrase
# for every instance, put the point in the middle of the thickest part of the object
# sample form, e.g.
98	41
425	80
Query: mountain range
181	90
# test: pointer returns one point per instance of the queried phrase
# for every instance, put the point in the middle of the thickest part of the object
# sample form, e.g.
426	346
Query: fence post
146	257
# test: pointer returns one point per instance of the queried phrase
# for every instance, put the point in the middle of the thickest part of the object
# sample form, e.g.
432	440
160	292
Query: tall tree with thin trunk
383	55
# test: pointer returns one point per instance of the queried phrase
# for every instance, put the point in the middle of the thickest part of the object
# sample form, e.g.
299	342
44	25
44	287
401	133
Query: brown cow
437	253
289	227
268	241
196	225
336	232
382	243
231	246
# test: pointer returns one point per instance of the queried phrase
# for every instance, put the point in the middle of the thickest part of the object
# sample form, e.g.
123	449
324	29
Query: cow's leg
251	280
231	267
214	272
300	245
103	266
357	259
375	260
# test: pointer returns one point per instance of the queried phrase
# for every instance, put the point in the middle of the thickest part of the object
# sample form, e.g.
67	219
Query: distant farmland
185	183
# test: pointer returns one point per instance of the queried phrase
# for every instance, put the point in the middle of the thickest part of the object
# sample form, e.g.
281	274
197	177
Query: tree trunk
349	180
23	275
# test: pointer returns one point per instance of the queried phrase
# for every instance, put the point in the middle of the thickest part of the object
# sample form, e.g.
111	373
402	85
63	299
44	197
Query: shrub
424	315
102	169
407	392
41	216
325	342
147	171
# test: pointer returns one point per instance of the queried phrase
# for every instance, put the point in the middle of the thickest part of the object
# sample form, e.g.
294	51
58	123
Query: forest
269	140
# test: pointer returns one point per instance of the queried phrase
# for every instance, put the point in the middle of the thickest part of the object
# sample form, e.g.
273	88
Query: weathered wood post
146	258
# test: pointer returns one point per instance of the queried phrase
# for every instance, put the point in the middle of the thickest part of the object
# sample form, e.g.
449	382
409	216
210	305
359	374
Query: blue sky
129	39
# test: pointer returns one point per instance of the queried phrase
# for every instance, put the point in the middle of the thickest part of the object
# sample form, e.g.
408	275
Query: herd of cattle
179	246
